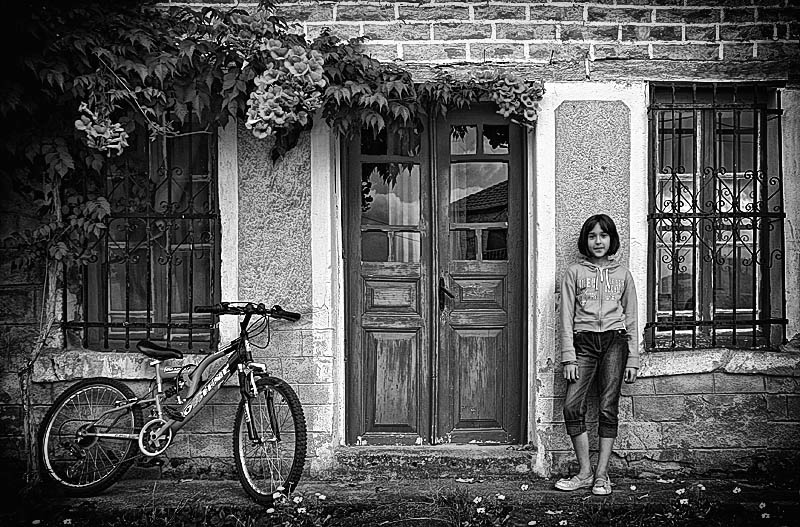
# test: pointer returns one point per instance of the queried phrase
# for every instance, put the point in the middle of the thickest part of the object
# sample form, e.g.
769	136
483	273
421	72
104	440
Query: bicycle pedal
151	462
173	413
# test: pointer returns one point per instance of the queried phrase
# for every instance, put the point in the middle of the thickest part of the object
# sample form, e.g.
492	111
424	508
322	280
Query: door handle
443	291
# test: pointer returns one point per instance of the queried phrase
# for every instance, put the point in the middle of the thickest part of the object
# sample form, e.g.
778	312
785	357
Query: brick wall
655	38
706	424
20	302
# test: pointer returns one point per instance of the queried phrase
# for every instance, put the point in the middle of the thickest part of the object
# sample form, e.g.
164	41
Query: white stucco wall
790	101
542	337
228	195
328	270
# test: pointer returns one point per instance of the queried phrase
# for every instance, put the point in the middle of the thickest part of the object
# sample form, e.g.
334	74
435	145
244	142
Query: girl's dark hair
607	225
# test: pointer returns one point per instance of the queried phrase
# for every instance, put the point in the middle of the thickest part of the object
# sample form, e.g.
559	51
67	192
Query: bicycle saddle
158	352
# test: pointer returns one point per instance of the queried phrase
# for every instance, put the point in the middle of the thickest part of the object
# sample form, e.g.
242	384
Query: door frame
354	391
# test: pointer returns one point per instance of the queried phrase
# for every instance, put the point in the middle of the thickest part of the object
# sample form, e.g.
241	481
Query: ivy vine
89	77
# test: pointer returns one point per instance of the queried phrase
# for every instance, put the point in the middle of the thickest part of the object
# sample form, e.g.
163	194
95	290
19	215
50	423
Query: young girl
599	331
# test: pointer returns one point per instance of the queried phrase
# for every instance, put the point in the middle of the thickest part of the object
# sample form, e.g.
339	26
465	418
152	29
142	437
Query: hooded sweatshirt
598	299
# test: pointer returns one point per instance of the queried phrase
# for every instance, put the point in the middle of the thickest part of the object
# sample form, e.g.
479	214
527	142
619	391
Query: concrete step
428	462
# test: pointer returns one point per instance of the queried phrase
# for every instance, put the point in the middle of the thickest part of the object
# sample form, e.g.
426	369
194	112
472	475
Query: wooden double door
434	258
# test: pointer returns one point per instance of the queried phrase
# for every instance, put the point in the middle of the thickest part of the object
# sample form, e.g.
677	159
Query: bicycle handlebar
228	308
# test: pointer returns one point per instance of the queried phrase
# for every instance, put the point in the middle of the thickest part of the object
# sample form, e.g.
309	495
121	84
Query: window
157	258
716	218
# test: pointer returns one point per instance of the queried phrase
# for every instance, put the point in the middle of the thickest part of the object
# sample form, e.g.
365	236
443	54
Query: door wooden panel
391	358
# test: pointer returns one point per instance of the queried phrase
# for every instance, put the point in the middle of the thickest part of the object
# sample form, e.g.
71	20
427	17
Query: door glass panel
390	194
493	243
372	144
392	246
495	139
463	139
478	192
403	142
462	245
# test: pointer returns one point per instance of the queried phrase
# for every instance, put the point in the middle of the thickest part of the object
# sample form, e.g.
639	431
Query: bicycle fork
249	391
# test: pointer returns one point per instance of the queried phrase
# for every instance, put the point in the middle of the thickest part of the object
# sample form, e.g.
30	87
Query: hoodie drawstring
602	276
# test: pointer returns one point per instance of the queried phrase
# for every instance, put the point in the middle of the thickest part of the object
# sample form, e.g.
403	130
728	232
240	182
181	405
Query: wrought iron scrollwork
717	232
141	276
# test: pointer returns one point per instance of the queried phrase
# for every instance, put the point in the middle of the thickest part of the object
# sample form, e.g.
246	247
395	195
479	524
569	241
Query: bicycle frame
240	360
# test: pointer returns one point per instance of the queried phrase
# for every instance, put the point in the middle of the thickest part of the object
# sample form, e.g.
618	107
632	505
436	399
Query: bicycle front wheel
71	455
277	457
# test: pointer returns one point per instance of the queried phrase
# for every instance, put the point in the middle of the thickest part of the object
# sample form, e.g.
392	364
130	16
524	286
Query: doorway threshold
458	461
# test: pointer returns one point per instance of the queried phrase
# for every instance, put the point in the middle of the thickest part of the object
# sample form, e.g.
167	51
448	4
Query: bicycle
95	430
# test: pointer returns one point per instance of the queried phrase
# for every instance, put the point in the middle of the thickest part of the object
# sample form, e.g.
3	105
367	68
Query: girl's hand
571	372
630	375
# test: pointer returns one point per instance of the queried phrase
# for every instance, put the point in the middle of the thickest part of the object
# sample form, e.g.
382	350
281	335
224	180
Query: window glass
493	243
478	192
390	194
463	139
495	139
402	142
390	246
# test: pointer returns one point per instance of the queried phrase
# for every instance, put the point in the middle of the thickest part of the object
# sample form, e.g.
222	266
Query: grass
451	508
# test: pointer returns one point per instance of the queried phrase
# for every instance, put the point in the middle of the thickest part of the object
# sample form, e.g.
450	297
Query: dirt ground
419	502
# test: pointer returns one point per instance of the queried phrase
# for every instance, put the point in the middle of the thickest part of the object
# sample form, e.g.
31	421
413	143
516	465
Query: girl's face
598	242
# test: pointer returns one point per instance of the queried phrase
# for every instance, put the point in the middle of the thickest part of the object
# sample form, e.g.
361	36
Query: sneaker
602	486
574	483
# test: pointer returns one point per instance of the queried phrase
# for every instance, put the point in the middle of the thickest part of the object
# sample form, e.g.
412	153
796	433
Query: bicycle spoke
268	463
73	455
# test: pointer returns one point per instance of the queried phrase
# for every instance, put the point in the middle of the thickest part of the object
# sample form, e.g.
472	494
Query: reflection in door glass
391	246
495	139
478	192
493	243
463	139
389	194
372	144
400	143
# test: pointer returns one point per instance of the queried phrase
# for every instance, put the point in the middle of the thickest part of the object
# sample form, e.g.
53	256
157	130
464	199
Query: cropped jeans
602	356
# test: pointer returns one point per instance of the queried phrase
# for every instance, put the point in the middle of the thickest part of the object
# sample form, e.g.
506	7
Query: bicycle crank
150	443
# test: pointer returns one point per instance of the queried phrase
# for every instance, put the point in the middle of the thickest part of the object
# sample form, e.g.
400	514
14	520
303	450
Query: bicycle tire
263	468
66	460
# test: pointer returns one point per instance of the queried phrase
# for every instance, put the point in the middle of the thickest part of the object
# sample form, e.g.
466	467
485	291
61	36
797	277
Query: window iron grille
157	257
716	218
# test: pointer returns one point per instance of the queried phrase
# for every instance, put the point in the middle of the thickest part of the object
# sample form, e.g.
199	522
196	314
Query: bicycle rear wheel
69	455
276	459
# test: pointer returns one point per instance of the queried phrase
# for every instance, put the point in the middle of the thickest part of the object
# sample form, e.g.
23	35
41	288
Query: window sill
55	365
724	360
